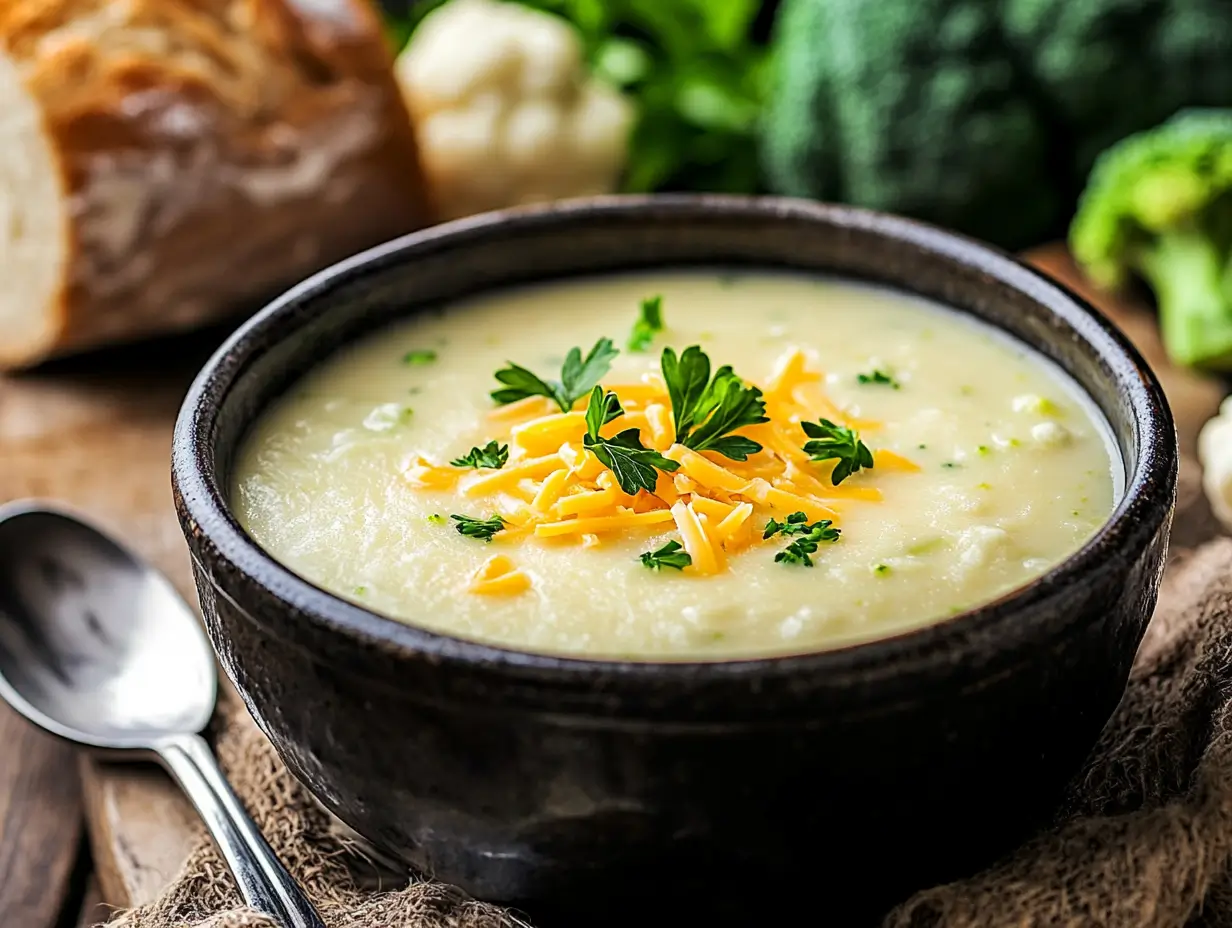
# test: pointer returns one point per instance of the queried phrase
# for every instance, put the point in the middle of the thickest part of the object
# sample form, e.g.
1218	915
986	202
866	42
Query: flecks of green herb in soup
419	356
983	486
879	378
361	591
983	450
727	280
493	456
950	465
482	529
882	570
671	555
922	447
649	324
966	390
436	519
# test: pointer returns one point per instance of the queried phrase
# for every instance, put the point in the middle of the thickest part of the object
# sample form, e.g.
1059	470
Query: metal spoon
98	648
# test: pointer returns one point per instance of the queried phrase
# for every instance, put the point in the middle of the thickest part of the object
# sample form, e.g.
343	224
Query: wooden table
96	434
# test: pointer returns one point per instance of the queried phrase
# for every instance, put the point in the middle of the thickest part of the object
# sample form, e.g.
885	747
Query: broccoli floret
1158	206
982	115
1104	69
910	106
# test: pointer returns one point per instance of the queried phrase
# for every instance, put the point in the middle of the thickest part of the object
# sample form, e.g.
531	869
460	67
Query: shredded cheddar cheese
553	487
497	576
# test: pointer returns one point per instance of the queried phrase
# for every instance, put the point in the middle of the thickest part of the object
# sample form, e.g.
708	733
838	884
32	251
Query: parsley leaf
796	524
422	356
810	536
482	529
835	442
880	377
707	410
601	410
490	455
634	466
577	376
670	555
650	323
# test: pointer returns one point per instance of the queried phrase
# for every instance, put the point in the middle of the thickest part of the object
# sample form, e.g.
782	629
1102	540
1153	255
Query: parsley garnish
810	536
670	555
422	356
490	455
796	524
634	466
482	529
880	377
835	442
706	410
436	519
881	570
649	323
577	376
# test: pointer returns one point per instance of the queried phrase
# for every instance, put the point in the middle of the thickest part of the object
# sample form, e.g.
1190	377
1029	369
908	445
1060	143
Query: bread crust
209	152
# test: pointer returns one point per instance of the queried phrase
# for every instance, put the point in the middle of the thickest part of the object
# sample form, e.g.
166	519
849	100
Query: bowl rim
1144	506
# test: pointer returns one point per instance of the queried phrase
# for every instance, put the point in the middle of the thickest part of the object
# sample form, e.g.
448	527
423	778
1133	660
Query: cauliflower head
1215	455
506	111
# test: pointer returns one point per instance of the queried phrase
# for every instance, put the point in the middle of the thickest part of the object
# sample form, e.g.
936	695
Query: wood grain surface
97	434
40	824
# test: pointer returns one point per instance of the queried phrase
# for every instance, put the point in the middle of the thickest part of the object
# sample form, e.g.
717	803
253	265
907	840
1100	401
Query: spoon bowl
95	645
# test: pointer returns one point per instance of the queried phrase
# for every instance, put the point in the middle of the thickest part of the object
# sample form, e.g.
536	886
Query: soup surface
988	466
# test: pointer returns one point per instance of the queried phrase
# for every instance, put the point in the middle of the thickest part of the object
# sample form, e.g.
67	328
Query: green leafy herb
649	323
361	591
634	465
422	356
490	455
949	465
881	570
670	555
796	524
836	442
879	377
810	536
577	376
707	410
482	529
436	519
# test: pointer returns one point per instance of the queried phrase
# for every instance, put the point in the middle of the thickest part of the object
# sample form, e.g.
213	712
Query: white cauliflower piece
505	110
1035	404
1215	455
1050	435
977	547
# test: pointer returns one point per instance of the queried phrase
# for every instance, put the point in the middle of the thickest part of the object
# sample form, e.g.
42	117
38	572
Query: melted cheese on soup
943	465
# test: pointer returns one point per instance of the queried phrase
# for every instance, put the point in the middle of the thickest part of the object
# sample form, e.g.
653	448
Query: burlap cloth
1144	837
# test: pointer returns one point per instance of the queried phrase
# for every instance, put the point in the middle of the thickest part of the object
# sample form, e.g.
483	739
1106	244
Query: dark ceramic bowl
833	782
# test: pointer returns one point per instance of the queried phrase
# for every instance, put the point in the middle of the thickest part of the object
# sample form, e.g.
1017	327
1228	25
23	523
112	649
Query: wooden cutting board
97	435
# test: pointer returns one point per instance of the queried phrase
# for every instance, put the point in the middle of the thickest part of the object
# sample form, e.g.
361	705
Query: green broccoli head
910	106
1158	207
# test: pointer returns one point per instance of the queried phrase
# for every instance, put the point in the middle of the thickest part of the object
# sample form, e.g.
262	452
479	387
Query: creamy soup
912	463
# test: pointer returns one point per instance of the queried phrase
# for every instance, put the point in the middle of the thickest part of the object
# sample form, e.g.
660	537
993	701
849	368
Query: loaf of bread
164	163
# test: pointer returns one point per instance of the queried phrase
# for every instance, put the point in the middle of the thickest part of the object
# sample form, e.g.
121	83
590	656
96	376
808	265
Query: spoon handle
263	881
